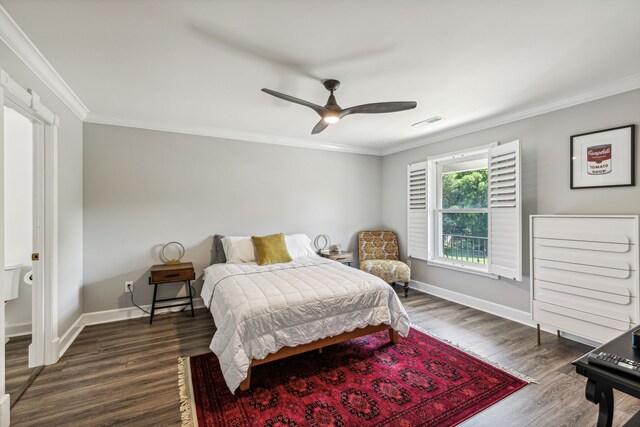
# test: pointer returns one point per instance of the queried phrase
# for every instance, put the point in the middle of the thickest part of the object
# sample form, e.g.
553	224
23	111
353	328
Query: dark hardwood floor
18	375
125	373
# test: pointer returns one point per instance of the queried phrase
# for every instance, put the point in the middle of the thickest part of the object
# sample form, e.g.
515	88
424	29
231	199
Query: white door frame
42	351
36	348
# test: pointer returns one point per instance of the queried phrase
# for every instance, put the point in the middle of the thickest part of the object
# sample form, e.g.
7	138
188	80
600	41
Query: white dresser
584	274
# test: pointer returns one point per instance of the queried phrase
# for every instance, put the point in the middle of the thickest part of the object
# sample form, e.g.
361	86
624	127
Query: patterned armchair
378	255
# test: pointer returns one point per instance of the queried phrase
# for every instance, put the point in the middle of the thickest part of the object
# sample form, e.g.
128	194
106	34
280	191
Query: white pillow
238	249
299	245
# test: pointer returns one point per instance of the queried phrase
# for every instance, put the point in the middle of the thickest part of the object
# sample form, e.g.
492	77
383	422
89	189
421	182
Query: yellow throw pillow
271	249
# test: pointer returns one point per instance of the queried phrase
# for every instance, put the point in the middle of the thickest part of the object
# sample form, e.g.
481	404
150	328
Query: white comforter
258	310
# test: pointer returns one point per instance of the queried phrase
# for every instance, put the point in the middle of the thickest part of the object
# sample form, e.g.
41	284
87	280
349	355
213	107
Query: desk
601	381
172	273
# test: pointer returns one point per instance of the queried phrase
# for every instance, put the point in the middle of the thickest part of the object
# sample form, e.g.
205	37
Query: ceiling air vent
428	121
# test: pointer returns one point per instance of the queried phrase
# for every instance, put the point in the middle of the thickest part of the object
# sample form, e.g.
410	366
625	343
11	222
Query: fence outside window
465	248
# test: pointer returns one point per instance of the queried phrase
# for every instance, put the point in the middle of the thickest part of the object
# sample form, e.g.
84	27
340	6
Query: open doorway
21	231
44	348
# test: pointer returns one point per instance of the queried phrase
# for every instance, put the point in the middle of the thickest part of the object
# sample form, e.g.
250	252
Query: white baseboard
17	330
127	313
510	313
69	336
108	316
5	419
54	353
519	316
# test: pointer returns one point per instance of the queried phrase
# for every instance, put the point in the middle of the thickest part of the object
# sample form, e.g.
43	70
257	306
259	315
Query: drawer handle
173	275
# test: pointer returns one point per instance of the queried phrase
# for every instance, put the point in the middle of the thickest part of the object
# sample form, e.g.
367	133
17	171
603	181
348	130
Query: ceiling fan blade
379	107
322	125
317	108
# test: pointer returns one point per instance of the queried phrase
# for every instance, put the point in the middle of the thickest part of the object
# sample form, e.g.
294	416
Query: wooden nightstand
343	257
172	273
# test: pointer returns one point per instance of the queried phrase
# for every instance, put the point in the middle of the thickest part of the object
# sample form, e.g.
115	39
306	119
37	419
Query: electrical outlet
128	286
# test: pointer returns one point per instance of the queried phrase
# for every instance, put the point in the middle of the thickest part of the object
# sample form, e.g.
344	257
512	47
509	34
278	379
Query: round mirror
172	253
321	242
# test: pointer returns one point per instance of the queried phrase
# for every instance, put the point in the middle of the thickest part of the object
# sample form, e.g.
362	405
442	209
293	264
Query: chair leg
406	289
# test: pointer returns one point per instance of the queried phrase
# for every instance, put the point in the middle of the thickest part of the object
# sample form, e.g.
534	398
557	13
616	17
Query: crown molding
615	87
228	134
13	36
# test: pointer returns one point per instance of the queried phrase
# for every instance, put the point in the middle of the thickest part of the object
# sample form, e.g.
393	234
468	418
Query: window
464	210
461	212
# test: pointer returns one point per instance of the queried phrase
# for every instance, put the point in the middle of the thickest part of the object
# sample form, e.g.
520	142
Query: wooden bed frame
317	345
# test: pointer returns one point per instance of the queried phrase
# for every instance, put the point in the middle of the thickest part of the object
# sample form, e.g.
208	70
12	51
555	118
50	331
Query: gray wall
69	191
545	185
144	188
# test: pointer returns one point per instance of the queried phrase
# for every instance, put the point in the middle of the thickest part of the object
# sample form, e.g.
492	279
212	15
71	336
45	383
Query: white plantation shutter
417	210
505	211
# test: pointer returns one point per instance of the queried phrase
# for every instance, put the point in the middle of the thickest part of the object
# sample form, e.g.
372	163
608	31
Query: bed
264	313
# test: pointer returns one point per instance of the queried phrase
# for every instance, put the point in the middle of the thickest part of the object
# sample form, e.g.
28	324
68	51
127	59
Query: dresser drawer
592	229
610	280
592	326
172	275
612	306
608	255
622	297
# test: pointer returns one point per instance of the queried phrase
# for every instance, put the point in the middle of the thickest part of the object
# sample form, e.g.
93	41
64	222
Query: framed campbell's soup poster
605	158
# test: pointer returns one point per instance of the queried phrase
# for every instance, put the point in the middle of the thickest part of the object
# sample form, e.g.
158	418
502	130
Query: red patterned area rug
421	381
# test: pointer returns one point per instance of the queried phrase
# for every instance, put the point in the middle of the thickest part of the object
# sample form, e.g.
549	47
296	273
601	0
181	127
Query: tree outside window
464	233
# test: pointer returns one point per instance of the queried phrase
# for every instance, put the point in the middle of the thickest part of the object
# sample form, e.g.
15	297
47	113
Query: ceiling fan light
332	112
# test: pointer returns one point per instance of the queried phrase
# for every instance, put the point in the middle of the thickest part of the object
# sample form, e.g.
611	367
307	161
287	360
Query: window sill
462	267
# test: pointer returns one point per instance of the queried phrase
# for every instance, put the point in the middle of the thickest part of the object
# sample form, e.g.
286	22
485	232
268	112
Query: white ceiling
201	64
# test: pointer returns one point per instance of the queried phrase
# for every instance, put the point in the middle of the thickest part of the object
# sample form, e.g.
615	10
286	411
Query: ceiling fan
332	112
